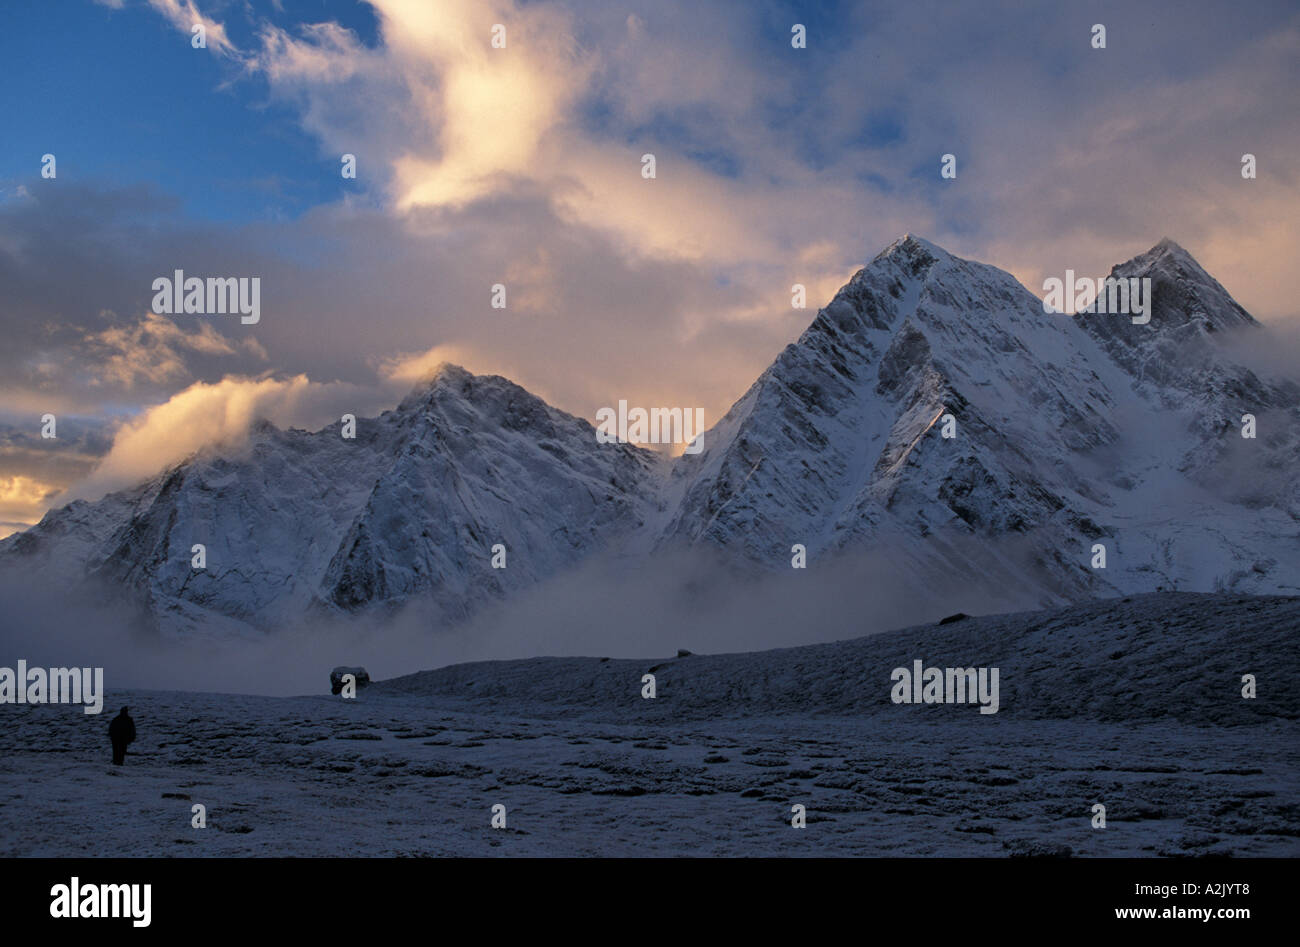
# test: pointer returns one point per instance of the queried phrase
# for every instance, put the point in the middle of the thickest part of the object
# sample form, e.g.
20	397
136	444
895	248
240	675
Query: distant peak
911	245
443	372
912	240
448	382
1166	255
440	377
1182	289
914	255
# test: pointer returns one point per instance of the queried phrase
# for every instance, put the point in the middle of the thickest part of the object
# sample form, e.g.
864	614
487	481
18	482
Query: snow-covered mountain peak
1060	431
1182	292
1175	346
452	399
931	411
910	246
443	377
1170	247
1170	256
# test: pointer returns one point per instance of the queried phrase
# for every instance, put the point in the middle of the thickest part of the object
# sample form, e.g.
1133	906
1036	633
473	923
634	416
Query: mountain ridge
837	446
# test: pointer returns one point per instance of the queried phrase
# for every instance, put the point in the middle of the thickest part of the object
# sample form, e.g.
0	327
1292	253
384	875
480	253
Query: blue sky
120	96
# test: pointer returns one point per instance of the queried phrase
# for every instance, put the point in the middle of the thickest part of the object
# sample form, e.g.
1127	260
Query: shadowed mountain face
1067	432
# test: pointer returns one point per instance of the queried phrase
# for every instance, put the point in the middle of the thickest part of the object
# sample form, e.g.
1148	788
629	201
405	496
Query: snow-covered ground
1134	704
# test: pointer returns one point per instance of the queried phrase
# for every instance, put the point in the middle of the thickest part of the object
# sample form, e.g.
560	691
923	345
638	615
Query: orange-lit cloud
153	349
202	415
22	502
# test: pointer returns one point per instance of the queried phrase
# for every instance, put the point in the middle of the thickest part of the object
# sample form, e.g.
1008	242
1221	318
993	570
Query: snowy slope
1142	658
1066	435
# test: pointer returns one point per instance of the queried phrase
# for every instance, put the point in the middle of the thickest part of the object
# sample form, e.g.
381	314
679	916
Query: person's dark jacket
122	729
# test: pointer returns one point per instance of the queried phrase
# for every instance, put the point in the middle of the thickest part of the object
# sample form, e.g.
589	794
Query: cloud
185	15
462	122
762	155
411	368
204	415
36	470
20	497
153	349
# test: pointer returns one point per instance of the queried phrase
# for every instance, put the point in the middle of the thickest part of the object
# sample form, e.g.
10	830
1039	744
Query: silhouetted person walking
121	731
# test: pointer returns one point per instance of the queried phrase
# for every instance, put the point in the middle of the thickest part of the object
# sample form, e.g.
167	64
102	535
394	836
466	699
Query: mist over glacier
693	600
